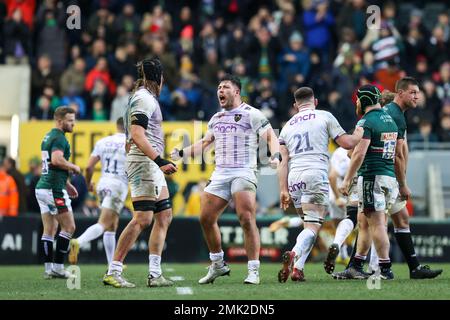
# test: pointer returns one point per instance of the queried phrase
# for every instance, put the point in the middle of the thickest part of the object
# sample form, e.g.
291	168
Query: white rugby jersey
340	162
306	136
236	136
111	151
143	102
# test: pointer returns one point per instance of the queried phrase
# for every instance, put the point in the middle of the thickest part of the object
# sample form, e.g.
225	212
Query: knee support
144	205
310	216
162	205
352	214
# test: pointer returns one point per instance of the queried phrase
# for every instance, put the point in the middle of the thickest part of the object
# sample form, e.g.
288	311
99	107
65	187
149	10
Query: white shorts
226	188
146	179
53	201
376	193
308	186
112	194
353	192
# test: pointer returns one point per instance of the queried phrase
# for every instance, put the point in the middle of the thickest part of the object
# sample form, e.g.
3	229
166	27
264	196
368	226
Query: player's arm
59	161
349	141
332	178
274	146
90	171
400	168
194	149
283	177
355	163
138	126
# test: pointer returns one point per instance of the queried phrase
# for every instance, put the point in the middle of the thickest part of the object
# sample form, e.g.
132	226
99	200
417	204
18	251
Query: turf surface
26	282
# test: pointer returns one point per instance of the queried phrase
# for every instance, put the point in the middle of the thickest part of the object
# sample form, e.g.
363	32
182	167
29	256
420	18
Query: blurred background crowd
273	46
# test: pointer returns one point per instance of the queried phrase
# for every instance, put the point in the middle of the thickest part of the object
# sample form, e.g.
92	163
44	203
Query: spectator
98	50
119	103
443	82
444	130
31	180
266	102
168	60
425	133
416	115
263	52
438	49
99	112
353	16
77	103
209	70
50	29
9	164
247	86
26	8
17	36
43	76
443	22
120	64
288	25
72	80
100	74
387	77
234	44
42	110
9	197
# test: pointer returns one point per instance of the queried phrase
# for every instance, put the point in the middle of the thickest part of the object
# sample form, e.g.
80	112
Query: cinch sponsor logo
304	117
297	186
225	128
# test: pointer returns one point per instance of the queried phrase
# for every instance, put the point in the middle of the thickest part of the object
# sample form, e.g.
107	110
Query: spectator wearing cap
293	64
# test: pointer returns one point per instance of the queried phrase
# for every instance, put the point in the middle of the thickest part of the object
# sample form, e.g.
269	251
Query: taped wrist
161	162
181	153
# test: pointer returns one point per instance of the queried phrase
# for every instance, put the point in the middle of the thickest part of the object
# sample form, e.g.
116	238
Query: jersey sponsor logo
225	128
237	117
297	186
302	117
60	202
388	136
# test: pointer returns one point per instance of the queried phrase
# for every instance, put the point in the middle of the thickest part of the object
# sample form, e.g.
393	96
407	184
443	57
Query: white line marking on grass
176	278
169	269
184	290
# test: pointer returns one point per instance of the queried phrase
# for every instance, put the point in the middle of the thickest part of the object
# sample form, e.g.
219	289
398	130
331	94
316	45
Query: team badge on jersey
237	117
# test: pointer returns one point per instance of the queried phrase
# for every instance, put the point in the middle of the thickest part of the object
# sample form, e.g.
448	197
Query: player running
53	193
304	150
234	132
112	190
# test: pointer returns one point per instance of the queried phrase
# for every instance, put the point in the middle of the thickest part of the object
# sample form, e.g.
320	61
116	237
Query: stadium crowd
273	46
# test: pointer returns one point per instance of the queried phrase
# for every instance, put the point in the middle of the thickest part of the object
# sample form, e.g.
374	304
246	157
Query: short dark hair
119	123
61	112
233	79
404	83
303	94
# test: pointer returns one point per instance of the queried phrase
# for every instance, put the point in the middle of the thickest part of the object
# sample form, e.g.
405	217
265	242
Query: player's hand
175	154
405	193
285	200
274	163
71	191
169	168
344	188
341	202
76	169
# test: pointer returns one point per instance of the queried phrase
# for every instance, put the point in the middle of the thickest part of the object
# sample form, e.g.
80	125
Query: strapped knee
163	205
310	216
144	205
352	214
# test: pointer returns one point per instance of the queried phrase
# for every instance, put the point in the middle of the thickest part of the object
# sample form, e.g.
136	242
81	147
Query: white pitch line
176	278
184	290
169	269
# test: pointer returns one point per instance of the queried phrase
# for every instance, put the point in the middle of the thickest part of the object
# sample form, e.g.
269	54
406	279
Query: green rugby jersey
397	114
52	177
382	131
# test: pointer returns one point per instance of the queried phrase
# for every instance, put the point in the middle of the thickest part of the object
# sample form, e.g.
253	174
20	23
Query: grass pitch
26	282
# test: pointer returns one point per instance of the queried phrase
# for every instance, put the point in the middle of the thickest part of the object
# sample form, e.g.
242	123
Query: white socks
303	246
295	222
216	259
115	266
48	266
109	243
253	265
91	233
344	228
154	265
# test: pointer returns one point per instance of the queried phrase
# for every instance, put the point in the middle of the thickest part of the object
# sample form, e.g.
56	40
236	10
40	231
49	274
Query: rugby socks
373	264
109	243
91	233
385	265
217	259
295	222
154	265
343	253
358	262
47	251
404	240
343	230
62	247
304	245
253	265
115	267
